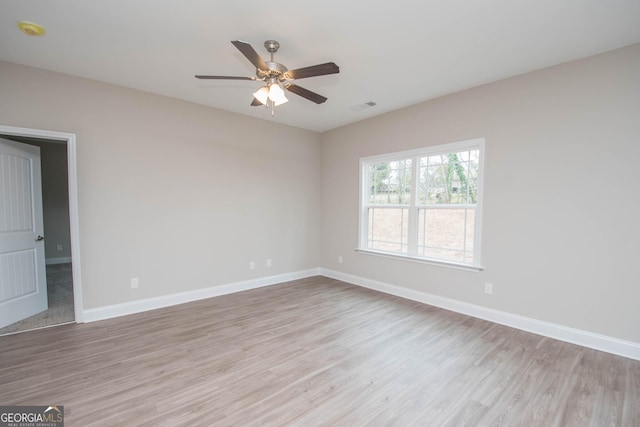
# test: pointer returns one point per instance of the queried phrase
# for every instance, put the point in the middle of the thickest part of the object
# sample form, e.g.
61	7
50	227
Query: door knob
39	238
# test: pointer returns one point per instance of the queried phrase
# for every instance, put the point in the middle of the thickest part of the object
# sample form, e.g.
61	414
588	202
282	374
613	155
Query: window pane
390	182
388	229
449	178
439	184
446	234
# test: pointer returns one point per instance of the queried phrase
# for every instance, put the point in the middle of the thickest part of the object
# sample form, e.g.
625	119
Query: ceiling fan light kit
276	94
262	95
271	95
277	77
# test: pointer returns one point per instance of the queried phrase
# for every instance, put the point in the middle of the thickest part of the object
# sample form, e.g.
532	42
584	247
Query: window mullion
365	176
412	232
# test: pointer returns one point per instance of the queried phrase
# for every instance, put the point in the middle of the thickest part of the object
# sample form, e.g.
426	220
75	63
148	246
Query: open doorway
57	242
59	197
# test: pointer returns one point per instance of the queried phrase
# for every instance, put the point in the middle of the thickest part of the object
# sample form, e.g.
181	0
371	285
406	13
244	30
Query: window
424	204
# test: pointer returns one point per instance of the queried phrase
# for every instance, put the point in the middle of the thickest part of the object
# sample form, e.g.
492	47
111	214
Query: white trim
563	333
132	307
444	148
439	263
74	224
61	260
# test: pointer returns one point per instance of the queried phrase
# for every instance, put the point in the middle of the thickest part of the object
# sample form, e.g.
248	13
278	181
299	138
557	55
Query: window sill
438	263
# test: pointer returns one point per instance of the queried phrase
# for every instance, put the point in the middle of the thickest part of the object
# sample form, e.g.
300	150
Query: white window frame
415	155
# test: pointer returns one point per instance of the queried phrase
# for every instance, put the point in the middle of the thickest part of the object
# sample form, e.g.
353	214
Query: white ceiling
393	53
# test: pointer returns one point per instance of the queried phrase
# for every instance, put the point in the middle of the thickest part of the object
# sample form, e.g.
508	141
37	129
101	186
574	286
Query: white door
23	282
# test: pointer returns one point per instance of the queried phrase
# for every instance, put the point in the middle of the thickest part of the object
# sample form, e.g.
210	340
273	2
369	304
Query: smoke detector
31	28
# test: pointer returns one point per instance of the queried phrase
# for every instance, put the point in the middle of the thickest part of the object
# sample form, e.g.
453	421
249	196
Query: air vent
363	106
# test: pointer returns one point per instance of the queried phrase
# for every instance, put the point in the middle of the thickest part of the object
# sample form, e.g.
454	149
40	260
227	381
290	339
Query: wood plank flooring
314	352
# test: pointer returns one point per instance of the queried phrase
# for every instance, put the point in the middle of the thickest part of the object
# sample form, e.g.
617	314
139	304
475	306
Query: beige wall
179	195
561	228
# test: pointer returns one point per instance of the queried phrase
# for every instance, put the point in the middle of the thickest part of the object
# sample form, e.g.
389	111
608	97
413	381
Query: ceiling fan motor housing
276	70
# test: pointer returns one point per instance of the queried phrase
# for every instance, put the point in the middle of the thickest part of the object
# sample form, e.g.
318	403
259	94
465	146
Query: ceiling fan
277	77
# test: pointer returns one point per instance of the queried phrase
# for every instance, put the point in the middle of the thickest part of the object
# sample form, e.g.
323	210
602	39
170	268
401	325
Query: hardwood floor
314	352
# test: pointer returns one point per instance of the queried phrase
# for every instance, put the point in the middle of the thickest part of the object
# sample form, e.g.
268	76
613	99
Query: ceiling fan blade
250	54
314	70
223	77
306	93
256	103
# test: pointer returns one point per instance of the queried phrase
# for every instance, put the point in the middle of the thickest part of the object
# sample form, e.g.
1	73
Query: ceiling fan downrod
272	47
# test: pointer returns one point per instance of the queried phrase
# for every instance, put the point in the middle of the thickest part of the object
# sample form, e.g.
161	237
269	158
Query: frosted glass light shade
261	94
276	94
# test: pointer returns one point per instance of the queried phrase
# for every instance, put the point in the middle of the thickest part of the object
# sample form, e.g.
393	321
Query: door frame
74	225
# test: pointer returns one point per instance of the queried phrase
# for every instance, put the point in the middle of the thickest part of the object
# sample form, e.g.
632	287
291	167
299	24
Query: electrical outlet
269	262
134	283
339	259
58	247
488	288
252	265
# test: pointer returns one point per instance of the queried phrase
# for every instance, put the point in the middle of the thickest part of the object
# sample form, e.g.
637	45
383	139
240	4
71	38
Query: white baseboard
62	260
563	333
116	310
